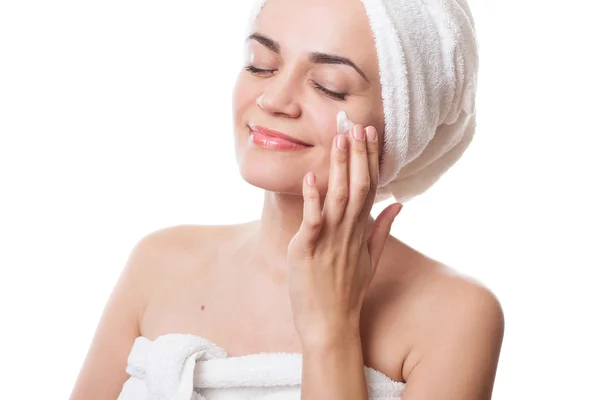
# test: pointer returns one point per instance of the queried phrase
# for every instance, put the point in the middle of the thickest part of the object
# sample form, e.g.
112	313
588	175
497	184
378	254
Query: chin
272	175
273	170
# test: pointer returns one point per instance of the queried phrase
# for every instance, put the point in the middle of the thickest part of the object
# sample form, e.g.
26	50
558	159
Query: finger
360	184
380	231
373	157
337	190
311	216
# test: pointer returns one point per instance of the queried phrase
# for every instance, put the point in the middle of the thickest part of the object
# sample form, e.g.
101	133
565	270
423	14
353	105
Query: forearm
335	371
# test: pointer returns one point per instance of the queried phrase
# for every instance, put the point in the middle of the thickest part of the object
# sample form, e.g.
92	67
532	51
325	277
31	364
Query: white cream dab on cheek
343	123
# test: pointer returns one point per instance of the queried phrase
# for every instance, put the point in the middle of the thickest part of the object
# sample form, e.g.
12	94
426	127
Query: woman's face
307	60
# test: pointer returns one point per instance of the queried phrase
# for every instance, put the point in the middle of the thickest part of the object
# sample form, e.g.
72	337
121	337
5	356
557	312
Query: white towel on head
428	63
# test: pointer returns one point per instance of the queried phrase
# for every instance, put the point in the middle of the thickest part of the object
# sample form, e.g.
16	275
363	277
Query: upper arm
103	372
461	359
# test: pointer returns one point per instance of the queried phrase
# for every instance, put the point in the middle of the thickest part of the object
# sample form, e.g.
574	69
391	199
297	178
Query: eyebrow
314	57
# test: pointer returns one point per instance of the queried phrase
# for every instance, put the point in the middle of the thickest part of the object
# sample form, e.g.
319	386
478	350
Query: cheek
243	98
322	117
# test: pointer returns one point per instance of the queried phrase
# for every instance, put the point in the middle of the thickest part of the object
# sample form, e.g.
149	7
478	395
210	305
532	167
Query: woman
317	291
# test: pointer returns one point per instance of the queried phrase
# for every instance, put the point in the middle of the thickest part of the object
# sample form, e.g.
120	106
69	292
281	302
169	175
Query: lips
276	135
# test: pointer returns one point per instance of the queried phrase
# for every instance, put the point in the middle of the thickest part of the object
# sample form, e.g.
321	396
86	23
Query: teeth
343	123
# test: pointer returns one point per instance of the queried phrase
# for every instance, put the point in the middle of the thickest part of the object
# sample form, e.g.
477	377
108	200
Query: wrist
332	342
333	368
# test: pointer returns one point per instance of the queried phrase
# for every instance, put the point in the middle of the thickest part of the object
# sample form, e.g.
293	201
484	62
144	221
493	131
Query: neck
280	221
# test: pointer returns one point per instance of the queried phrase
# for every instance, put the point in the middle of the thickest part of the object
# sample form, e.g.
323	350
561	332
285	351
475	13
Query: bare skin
247	307
200	280
421	323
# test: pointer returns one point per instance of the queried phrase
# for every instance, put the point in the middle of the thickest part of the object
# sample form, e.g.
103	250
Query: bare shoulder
181	238
193	237
178	247
103	374
461	328
154	254
446	295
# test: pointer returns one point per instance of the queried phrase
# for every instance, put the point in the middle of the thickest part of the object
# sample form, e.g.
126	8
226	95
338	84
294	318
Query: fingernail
371	134
359	132
341	142
311	178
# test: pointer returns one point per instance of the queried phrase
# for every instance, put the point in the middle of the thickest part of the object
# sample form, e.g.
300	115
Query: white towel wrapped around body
188	367
428	63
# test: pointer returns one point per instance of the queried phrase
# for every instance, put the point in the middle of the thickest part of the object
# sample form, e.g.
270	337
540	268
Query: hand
334	255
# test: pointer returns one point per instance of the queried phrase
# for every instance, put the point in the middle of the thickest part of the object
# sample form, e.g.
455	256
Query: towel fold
188	367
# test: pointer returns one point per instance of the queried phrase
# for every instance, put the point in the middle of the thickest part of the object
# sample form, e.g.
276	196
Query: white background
115	120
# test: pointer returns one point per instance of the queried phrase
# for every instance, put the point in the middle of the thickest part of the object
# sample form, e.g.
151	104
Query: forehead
339	27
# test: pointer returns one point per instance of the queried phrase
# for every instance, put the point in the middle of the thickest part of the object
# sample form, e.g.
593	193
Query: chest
245	315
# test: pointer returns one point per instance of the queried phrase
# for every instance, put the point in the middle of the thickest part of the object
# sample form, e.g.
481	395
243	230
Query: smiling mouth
276	135
272	140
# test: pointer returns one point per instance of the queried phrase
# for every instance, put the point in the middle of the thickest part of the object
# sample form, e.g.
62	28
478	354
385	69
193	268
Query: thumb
380	231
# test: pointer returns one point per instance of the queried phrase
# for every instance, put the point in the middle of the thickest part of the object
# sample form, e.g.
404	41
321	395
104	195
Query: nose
280	98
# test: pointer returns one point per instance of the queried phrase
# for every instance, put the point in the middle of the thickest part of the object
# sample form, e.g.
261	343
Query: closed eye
254	70
336	95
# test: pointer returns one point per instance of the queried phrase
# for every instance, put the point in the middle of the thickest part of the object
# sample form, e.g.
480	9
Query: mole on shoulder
202	308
